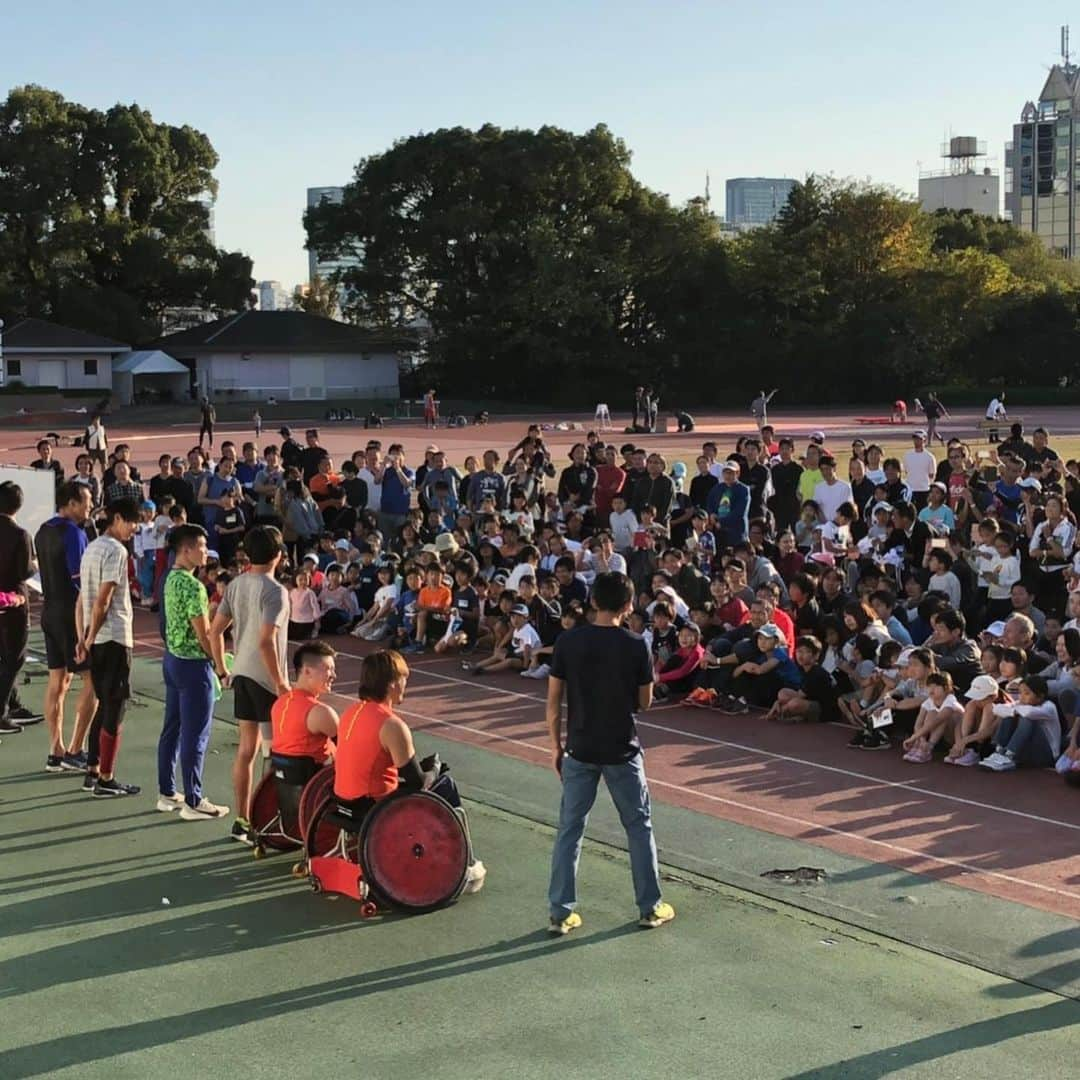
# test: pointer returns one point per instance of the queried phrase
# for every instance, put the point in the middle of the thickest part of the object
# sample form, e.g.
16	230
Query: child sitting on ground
940	713
676	674
514	653
815	700
1029	733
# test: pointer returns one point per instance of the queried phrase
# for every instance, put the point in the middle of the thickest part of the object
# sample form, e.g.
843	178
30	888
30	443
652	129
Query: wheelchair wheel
414	851
322	836
266	823
315	790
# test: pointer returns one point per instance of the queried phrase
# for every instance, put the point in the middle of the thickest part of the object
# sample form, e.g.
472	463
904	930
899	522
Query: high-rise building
756	200
1042	162
326	268
963	183
273	296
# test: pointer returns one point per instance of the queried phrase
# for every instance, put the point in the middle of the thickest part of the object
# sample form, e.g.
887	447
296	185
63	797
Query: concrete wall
965	191
298	376
66	372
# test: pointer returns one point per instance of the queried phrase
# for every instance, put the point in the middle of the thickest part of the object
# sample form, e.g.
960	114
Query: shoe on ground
205	810
24	716
90	781
565	925
875	740
74	762
993	762
920	755
700	697
9	727
858	740
968	758
241	831
474	877
168	803
54	763
111	789
662	913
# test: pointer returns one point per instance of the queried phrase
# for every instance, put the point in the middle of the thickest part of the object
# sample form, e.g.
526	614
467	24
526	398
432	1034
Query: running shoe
998	762
662	913
564	926
9	727
111	789
858	740
241	830
920	755
700	698
168	803
968	758
74	762
875	740
24	716
205	810
90	781
54	763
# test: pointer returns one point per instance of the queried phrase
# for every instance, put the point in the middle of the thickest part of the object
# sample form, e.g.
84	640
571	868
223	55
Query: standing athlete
257	609
108	638
207	418
759	408
60	544
16	565
602	741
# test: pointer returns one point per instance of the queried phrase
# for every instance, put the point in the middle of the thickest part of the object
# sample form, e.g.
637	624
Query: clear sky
292	95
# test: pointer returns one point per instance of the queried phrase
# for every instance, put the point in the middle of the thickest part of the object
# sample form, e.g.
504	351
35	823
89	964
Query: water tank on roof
963	146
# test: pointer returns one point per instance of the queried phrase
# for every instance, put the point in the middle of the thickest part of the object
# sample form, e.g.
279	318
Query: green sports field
135	945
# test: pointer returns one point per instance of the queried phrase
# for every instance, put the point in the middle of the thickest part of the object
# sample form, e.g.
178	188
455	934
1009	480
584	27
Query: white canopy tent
160	377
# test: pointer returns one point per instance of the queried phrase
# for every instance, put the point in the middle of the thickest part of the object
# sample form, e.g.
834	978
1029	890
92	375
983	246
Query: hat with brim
731	466
982	687
920	434
430	549
520	609
445	542
771	630
887	507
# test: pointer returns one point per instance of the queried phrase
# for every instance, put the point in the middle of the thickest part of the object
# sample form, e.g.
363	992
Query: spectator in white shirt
830	493
920	467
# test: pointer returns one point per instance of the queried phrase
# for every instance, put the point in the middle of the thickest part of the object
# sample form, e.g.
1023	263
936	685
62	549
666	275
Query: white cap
734	466
982	687
920	434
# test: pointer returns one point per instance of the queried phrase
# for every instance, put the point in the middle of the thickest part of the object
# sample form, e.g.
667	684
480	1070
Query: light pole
1	354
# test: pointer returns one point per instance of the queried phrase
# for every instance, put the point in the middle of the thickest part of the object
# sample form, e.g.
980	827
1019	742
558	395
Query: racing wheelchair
409	851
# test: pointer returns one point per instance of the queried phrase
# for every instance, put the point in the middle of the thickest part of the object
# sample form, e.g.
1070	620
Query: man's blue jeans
185	733
630	792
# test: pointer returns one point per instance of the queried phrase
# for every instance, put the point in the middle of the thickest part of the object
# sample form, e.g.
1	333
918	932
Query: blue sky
292	95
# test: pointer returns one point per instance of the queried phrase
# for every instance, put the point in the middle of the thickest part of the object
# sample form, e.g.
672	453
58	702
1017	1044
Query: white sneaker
474	877
203	812
542	672
995	762
168	803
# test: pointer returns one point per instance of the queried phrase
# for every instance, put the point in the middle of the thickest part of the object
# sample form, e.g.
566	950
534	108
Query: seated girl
676	674
939	713
1030	730
377	620
979	723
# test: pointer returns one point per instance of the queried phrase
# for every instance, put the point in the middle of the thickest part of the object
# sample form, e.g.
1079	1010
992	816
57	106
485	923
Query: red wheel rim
315	790
414	851
264	808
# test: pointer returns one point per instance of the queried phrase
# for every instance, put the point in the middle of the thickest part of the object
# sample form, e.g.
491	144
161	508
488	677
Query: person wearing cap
514	653
920	468
937	513
757	681
978	724
729	504
814	699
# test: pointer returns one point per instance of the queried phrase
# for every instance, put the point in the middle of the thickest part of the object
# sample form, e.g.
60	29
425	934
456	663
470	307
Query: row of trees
104	218
547	271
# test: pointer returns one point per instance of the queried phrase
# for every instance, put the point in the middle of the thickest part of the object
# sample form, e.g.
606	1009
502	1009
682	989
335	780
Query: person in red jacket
676	675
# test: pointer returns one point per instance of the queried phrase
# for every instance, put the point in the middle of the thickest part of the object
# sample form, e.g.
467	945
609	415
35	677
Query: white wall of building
978	192
64	371
298	376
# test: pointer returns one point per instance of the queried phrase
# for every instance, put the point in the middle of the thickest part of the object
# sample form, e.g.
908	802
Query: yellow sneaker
659	915
564	926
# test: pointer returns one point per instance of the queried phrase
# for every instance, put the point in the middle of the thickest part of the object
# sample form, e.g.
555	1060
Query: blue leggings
185	733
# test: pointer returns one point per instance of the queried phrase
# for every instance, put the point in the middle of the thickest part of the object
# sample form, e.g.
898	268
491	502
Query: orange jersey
363	766
439	597
291	736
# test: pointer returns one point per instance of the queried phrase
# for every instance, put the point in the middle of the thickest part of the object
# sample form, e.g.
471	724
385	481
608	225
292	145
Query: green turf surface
246	972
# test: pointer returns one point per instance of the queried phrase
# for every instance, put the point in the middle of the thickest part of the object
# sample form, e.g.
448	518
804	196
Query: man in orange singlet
303	725
375	751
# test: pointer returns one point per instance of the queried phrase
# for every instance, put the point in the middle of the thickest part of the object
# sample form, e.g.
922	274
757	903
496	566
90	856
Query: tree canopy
546	270
104	218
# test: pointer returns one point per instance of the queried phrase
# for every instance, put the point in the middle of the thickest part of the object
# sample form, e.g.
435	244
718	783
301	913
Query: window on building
14	369
89	367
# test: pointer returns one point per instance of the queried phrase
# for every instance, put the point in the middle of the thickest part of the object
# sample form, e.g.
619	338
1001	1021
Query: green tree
104	218
319	298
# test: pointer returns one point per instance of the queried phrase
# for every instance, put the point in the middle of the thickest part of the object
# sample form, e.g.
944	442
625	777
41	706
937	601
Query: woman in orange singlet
375	751
302	725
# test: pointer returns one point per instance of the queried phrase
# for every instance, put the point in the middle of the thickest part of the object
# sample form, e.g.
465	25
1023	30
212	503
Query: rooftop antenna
708	196
1066	55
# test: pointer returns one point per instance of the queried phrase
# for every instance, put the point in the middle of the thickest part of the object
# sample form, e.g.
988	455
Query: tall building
273	296
963	183
325	268
1042	162
756	200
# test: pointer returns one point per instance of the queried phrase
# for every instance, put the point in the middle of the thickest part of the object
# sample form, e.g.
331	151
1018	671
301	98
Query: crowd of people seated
930	604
